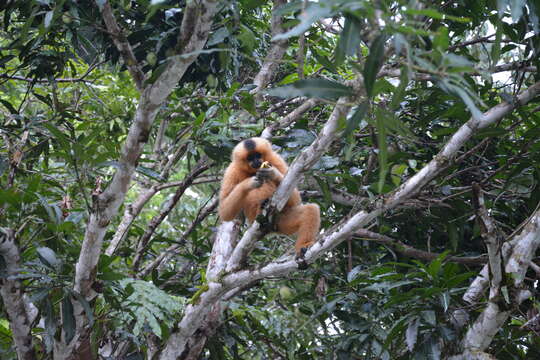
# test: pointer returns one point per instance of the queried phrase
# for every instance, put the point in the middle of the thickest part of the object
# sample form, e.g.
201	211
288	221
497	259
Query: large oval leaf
374	63
349	40
312	13
314	88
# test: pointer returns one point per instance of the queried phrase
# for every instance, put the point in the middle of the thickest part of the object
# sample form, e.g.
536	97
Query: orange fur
241	191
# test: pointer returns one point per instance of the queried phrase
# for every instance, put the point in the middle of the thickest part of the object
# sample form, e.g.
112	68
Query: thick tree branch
525	245
426	174
12	296
275	53
220	283
106	204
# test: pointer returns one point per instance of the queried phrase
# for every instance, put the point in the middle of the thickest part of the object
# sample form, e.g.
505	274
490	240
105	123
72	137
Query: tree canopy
414	125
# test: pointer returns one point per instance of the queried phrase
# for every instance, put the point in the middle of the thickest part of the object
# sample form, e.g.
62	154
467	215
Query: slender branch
410	251
424	76
133	210
59	80
276	52
42	81
493	239
122	44
301	48
471	42
290	118
201	167
165	255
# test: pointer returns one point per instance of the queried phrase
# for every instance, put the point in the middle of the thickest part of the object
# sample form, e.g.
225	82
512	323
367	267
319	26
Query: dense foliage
412	73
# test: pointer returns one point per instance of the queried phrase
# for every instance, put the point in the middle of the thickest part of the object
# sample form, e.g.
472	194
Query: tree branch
201	167
410	251
12	296
106	204
482	331
164	256
276	52
493	239
122	44
290	118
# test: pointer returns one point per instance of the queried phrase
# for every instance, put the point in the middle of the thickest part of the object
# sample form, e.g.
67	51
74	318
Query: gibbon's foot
301	253
302	264
266	223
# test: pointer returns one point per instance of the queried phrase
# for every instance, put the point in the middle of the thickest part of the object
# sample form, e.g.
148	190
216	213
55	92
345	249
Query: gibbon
251	178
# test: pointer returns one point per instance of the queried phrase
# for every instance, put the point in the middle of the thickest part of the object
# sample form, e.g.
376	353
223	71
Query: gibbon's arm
232	194
282	168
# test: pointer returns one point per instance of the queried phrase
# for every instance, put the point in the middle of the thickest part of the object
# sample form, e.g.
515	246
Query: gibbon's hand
266	174
256	182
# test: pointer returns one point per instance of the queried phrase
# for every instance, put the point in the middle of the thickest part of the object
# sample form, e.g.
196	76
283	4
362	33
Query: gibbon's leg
255	198
305	220
231	205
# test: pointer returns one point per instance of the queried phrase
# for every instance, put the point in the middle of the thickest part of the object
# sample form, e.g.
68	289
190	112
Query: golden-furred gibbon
251	178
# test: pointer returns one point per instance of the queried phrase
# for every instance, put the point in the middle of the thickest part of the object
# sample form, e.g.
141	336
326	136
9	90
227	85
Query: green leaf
323	60
442	39
312	13
62	139
10	107
68	318
152	174
52	212
434	14
496	48
316	88
449	87
399	93
435	266
349	40
50	324
374	63
354	121
48	257
325	189
516	9
353	274
383	152
156	73
288	8
247	38
218	36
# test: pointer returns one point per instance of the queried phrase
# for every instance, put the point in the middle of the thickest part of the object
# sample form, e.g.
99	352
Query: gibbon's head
251	153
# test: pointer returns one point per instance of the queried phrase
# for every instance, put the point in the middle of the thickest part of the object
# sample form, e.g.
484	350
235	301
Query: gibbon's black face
253	158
